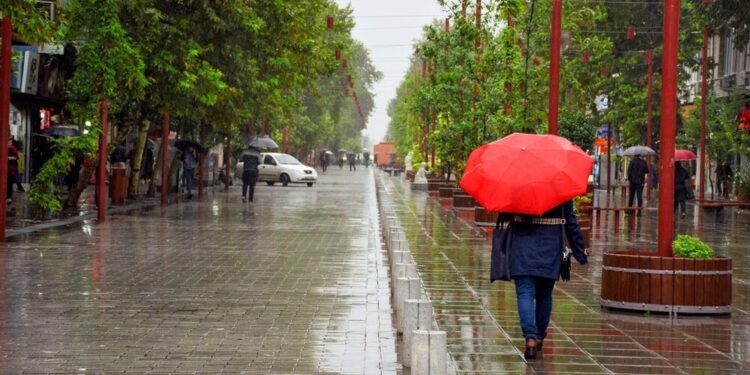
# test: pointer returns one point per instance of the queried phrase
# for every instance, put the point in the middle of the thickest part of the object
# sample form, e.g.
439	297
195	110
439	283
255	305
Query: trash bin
118	185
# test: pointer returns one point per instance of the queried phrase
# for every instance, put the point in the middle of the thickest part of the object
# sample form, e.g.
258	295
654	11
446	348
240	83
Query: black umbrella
262	143
184	144
62	131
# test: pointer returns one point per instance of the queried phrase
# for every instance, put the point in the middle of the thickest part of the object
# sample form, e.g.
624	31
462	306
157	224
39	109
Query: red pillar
554	66
164	158
4	117
704	97
202	161
667	126
228	159
649	122
101	188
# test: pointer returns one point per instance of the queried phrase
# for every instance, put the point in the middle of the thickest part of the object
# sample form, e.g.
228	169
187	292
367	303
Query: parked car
284	168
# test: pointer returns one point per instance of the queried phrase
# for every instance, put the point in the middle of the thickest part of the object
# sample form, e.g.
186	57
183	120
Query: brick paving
481	320
294	283
297	283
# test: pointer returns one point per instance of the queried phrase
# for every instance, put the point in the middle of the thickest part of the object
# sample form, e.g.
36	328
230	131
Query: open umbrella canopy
184	144
526	173
62	131
684	155
262	143
328	152
638	150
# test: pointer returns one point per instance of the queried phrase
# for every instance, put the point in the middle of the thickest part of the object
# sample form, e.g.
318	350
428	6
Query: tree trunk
155	173
81	184
140	144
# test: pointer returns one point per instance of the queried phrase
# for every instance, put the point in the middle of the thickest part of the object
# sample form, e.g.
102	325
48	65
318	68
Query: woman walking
536	251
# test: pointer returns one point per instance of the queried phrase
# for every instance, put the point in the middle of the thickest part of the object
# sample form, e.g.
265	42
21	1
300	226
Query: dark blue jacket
536	249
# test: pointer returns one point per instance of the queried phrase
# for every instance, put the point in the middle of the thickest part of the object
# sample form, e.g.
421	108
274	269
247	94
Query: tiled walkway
294	283
482	324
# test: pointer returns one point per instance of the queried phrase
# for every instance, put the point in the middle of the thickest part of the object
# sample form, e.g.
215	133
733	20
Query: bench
393	171
720	204
617	211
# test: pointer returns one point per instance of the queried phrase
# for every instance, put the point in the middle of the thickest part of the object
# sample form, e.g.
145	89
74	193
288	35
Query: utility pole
554	67
5	51
667	126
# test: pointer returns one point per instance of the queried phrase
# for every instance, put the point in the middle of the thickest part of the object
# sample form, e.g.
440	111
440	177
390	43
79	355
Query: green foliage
44	191
578	128
691	247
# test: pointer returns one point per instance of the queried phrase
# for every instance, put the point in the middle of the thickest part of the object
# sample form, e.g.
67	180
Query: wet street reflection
293	283
481	319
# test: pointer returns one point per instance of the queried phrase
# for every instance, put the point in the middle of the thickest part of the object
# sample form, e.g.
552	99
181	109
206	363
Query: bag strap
497	224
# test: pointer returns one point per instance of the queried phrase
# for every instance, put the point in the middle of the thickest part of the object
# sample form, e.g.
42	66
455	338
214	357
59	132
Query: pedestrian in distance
250	161
342	159
352	158
681	180
12	170
189	162
366	158
637	171
535	258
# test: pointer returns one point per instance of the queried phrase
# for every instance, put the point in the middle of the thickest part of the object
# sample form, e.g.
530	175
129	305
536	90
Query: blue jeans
189	181
534	299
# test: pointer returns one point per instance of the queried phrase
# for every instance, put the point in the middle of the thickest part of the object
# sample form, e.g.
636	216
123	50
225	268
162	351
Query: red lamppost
164	158
667	126
101	197
554	66
704	97
7	35
649	57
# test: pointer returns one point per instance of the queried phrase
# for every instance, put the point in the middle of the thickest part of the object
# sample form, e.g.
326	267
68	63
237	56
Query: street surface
293	283
297	283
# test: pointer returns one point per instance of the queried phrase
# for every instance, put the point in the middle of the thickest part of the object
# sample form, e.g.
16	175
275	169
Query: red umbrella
684	155
526	173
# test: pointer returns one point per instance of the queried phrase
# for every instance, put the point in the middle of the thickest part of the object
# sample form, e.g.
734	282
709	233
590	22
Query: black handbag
502	237
566	254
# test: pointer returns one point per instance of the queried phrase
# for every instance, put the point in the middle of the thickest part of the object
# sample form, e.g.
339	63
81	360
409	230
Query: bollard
396	244
429	353
400	257
404	270
417	316
405	288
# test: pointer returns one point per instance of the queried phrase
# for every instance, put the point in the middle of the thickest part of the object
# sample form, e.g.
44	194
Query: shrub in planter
691	247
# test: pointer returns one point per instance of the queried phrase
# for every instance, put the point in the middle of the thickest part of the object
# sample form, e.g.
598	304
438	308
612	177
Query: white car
284	168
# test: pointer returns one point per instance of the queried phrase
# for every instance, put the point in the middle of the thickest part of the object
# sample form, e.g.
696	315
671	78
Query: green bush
691	247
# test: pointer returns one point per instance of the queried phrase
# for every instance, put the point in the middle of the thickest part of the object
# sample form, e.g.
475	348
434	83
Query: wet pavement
297	282
293	283
481	320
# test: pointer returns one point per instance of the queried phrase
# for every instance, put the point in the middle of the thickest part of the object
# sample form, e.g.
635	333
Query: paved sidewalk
294	283
481	321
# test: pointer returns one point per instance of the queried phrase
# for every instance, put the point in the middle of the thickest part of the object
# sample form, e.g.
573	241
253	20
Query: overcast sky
388	28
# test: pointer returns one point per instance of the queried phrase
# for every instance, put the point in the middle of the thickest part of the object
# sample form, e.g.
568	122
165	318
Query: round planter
648	282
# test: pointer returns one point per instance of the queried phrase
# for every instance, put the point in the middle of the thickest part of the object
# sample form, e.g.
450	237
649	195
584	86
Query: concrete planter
647	282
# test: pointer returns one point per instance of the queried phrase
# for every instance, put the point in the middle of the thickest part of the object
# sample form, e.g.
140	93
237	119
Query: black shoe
531	349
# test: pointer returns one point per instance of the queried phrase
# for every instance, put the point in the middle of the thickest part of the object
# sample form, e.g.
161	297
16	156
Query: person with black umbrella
250	161
637	171
189	162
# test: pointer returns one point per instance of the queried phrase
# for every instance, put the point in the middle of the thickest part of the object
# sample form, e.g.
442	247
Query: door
267	170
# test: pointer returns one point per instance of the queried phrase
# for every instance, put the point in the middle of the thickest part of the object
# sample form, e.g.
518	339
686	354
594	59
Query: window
269	160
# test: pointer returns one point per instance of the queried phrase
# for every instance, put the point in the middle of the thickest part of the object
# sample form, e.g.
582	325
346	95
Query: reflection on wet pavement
481	320
294	283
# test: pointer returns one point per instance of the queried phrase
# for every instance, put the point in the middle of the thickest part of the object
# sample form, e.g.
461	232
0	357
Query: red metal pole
667	126
649	122
101	203
704	97
164	158
228	158
4	117
554	66
202	161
